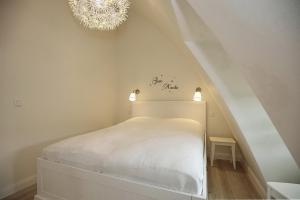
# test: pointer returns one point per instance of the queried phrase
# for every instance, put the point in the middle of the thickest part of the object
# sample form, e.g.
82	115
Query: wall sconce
197	95
132	96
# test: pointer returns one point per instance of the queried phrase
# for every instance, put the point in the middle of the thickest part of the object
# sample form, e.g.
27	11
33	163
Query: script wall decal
164	83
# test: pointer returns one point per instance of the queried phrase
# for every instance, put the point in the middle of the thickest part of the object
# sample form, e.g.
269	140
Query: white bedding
161	152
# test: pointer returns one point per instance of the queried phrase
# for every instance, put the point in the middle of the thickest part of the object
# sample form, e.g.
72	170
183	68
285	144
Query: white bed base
56	181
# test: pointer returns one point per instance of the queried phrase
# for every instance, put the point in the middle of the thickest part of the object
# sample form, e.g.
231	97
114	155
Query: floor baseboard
255	181
20	185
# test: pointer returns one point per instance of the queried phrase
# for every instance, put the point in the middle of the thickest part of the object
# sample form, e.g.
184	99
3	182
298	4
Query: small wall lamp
197	95
132	96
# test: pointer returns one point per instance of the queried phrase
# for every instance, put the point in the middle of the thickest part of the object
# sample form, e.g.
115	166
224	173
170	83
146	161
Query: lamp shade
198	95
132	96
100	14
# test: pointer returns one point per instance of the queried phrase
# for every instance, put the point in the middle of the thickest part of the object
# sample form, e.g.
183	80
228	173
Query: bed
159	153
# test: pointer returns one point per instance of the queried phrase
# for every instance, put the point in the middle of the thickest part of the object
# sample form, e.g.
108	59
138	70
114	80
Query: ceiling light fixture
100	14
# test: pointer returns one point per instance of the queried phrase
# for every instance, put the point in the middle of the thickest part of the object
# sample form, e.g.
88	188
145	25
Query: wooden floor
223	183
26	194
226	183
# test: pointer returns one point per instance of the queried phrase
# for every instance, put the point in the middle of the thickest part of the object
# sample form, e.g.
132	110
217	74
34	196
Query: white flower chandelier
100	14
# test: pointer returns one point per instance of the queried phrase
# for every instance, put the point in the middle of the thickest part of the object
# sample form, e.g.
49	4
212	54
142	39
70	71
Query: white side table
223	142
283	190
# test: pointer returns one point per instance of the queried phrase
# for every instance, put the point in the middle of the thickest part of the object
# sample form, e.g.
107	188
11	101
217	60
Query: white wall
63	74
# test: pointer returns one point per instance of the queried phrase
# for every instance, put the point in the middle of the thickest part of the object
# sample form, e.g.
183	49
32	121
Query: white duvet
161	152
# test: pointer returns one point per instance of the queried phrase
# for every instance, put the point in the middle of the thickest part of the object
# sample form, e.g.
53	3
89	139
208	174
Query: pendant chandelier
100	14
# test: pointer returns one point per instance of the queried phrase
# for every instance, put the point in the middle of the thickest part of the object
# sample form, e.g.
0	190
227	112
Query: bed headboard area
164	109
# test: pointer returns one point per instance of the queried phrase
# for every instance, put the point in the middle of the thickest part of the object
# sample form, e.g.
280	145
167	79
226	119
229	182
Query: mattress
166	153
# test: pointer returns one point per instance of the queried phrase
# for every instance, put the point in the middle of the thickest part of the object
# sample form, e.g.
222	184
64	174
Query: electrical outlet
18	103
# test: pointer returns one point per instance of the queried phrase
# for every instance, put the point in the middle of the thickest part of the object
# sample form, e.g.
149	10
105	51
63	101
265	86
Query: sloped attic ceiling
160	13
263	39
230	25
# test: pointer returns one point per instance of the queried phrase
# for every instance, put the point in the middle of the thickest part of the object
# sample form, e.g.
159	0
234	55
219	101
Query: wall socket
18	103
